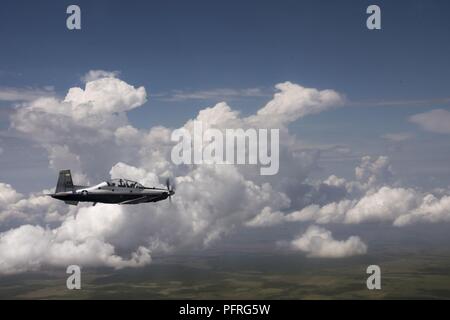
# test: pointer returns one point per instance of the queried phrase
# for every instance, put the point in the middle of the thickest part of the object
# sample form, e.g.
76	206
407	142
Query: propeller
170	189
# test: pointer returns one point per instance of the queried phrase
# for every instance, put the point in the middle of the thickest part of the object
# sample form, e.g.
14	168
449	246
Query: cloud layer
88	131
369	198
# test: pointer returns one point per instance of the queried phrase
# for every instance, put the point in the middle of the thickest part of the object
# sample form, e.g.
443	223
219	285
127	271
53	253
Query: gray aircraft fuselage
119	191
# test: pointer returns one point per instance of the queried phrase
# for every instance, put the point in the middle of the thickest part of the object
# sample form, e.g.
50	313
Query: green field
409	275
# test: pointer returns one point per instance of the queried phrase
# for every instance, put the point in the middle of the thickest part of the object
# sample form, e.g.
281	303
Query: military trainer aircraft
119	191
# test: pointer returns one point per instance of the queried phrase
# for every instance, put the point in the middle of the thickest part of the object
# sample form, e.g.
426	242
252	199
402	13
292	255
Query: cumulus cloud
437	121
79	130
397	205
8	194
266	218
36	208
28	248
210	202
88	131
385	204
370	173
335	181
294	101
431	209
367	199
374	172
100	104
319	243
104	95
92	75
140	175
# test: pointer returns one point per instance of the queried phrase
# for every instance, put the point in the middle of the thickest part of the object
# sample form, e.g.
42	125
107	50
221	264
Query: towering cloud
89	129
369	198
89	132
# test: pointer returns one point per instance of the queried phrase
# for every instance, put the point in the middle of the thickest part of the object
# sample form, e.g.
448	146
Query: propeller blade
170	189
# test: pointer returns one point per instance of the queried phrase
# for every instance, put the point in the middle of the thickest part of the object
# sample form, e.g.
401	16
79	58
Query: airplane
118	191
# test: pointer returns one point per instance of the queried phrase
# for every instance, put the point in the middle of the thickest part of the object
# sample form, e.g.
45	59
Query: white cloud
330	213
397	205
92	75
104	95
335	181
369	199
89	132
266	218
209	203
217	94
85	114
398	137
319	243
80	130
140	175
16	209
27	94
8	194
294	101
374	172
431	210
127	134
437	121
384	205
28	248
60	157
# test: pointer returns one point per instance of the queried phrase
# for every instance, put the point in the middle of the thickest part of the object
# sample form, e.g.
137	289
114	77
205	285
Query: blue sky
202	46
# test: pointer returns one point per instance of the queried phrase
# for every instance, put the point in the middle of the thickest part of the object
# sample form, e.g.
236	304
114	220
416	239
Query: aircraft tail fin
65	182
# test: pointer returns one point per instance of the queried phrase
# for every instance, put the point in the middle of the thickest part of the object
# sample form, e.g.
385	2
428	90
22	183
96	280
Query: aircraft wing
133	201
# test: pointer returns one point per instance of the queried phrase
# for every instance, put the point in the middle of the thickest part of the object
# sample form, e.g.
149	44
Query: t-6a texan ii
119	191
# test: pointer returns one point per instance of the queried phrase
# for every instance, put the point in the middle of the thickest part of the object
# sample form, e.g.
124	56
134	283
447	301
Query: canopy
125	183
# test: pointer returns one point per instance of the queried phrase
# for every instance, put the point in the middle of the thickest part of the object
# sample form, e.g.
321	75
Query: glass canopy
124	183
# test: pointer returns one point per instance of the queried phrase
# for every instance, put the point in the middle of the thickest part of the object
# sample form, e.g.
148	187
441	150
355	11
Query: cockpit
124	183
